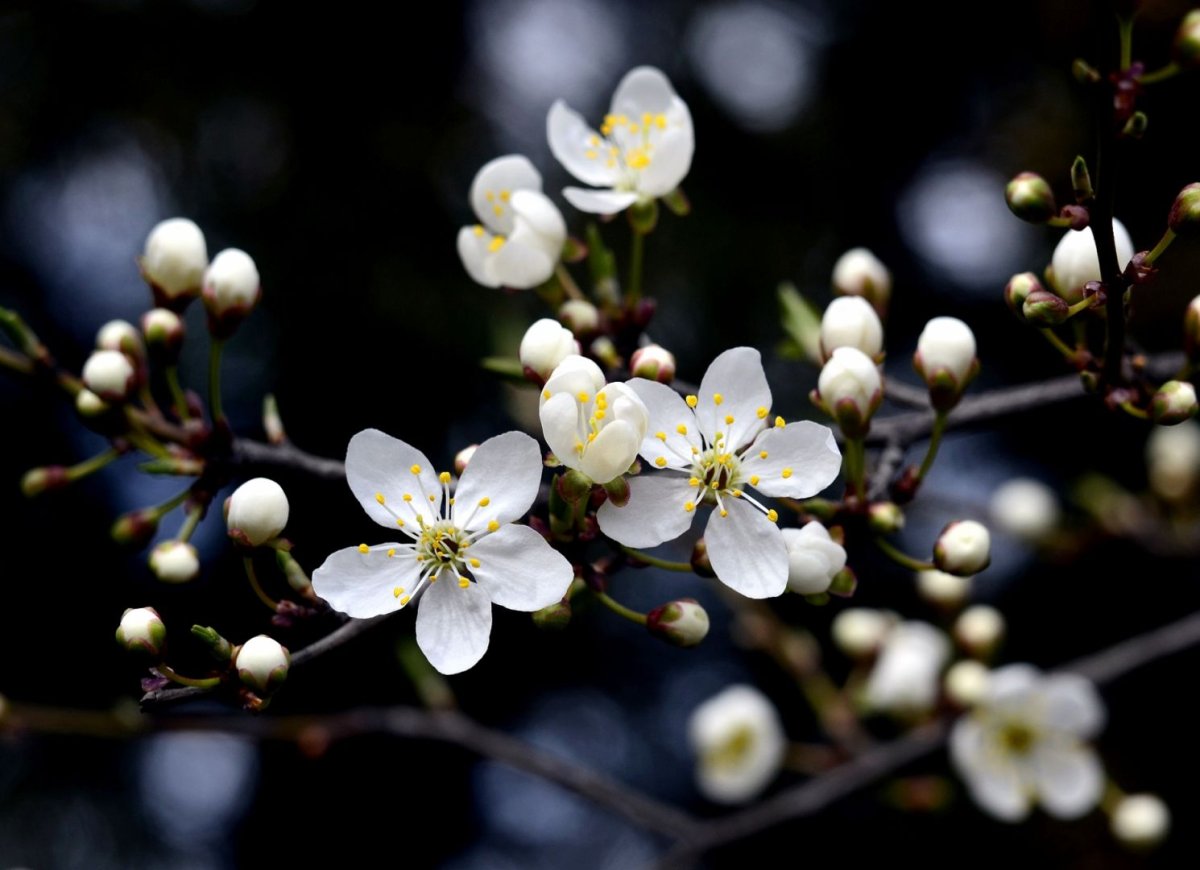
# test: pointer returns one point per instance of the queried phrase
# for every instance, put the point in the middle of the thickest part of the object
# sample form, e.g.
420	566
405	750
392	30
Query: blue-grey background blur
336	145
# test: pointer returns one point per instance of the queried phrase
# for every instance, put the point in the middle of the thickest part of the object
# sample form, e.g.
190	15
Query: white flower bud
945	356
88	404
858	272
175	259
1173	460
1025	508
123	336
1140	821
682	623
859	631
739	744
654	363
164	332
850	321
142	630
850	389
905	678
963	548
262	664
231	284
258	511
813	558
979	629
966	683
109	374
462	457
175	562
1174	402
1075	262
945	590
580	316
546	344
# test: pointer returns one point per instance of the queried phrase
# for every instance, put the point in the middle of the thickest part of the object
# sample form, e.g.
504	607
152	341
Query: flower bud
1017	290
945	359
1140	821
218	646
1075	262
164	332
603	349
850	389
175	562
258	511
1025	508
88	404
135	528
1186	48
142	630
174	261
850	321
546	343
979	630
123	336
942	589
262	664
231	290
905	677
1030	198
46	479
1173	461
579	316
858	272
699	561
859	631
462	457
1185	211
653	363
814	558
555	617
966	683
885	517
110	375
682	623
1174	402
1043	308
963	548
1191	330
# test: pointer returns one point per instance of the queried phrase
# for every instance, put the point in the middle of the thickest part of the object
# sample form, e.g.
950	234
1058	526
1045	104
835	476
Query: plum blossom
739	743
712	448
642	151
460	553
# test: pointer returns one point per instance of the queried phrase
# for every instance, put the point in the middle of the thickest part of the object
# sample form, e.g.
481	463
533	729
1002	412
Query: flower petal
746	550
454	623
505	471
643	89
611	453
667	412
599	201
802	459
500	178
560	427
520	263
1070	779
473	251
1011	687
363	585
378	464
654	514
571	140
1070	704
519	570
672	155
994	782
737	378
540	220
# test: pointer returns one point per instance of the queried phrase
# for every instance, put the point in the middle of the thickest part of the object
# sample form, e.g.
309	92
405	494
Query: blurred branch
254	456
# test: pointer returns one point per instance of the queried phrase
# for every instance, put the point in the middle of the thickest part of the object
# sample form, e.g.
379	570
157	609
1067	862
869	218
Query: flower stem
935	441
902	558
16	362
194	515
170	504
1134	411
568	283
1126	33
205	683
856	467
214	379
636	255
432	688
252	576
1160	75
619	608
91	466
177	394
654	561
1163	244
1057	343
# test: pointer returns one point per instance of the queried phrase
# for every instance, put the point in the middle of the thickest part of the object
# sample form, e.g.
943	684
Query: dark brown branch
254	456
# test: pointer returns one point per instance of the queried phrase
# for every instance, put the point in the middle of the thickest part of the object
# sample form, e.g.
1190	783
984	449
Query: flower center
733	751
718	470
1017	738
441	544
627	144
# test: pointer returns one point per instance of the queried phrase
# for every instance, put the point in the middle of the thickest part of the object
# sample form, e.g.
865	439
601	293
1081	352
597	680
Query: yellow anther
404	599
433	579
724	512
660	121
611	119
433	498
661	461
505	195
444	477
451	502
416	469
661	436
602	400
737	493
591	437
497	242
398	591
613	152
578	446
691	401
599	415
478	229
689	506
491	197
610	163
647	118
590	154
379	497
485	501
582	396
497	210
762	454
681	429
728	419
474	563
718	398
695	450
779	423
773	515
754	480
715	485
391	552
493	525
399	522
633	128
693	481
718	436
594	141
363	548
463	582
761	412
786	473
545	394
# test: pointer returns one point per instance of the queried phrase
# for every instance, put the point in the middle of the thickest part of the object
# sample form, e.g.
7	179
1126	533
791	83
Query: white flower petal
746	550
740	744
1011	687
643	89
506	470
454	623
802	459
654	513
599	201
363	585
473	251
667	412
736	376
611	453
573	375
520	263
571	140
378	464
1071	705
543	217
500	178
672	159
560	427
813	558
1070	779
519	570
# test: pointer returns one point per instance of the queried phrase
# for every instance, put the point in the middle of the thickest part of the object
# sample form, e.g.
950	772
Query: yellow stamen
661	461
398	591
416	469
407	497
463	582
399	522
681	429
474	563
661	436
379	497
761	412
478	229
485	501
497	242
718	398
787	472
590	154
582	396
660	121
724	512
391	552
363	548
754	480
444	477
689	506
779	423
545	394
505	195
728	419
772	515
404	599
493	525
693	481
762	455
691	401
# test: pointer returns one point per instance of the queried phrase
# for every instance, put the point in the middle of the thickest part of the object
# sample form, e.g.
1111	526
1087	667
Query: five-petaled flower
520	238
713	447
462	552
641	152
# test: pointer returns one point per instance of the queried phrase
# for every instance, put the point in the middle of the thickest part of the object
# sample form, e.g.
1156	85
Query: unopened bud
579	316
175	562
46	479
546	343
700	562
89	405
945	360
653	363
1025	508
262	664
859	631
1173	461
963	548
1140	821
1184	217
110	375
966	683
143	631
164	332
1017	290
814	558
174	262
123	336
1030	198
555	617
979	630
617	490
1174	402
850	321
1075	262
858	272
682	623
218	646
257	511
1186	49
1081	180
462	457
1191	330
1043	308
885	517
604	350
850	390
942	589
136	528
231	290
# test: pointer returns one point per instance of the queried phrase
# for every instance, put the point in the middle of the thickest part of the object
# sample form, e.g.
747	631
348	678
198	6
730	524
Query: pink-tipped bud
123	336
136	528
462	457
1030	198
1174	402
164	333
1184	217
142	631
654	363
682	623
945	359
579	316
174	261
1043	308
1186	49
262	664
175	562
46	479
546	343
1018	289
858	272
230	291
850	390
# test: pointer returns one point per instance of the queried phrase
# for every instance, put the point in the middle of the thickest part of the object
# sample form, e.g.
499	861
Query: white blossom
1173	460
850	321
814	558
231	283
1075	262
175	562
739	744
258	509
906	678
262	663
948	590
946	346
109	374
545	344
175	258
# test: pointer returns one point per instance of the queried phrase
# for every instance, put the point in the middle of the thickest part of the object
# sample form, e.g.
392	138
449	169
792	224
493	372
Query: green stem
856	467
252	576
1126	29
189	524
148	401
147	444
432	688
177	394
654	561
205	683
1163	244
620	609
91	466
170	504
1160	75
902	558
16	362
568	283
935	441
1134	411
636	255
1057	343
214	379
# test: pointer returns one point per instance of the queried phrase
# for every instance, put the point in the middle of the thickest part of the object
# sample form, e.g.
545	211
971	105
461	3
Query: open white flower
1025	742
520	237
463	553
905	679
642	151
713	447
591	426
739	743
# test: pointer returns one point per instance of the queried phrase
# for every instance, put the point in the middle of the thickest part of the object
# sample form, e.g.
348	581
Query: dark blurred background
336	145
